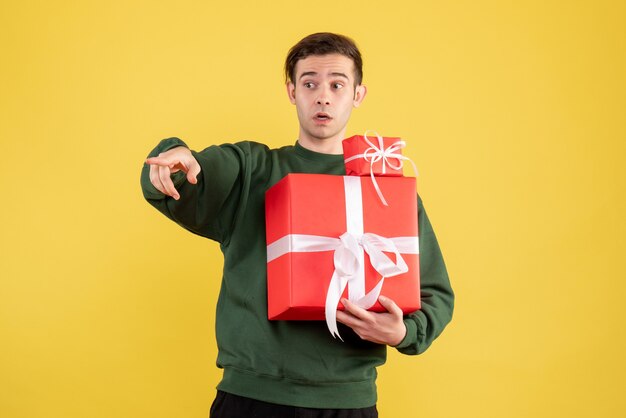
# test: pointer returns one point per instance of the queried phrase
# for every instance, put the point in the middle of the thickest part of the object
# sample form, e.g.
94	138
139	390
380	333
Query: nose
323	101
323	98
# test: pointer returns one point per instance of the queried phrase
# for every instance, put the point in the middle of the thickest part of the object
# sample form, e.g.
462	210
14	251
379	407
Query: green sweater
286	362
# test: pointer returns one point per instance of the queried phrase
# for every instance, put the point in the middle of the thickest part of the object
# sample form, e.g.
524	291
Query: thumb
390	305
194	170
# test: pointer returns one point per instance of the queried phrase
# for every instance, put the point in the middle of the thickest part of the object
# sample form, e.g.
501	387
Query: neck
325	146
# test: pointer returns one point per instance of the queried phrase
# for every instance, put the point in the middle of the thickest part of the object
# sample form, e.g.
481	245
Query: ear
291	92
359	95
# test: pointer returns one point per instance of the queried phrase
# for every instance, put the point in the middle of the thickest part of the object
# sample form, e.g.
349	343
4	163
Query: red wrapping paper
314	204
356	145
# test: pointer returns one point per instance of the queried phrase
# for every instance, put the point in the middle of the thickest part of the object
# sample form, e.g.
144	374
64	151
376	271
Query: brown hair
323	43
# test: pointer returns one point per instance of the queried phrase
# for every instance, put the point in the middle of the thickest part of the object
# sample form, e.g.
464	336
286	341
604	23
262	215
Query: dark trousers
227	405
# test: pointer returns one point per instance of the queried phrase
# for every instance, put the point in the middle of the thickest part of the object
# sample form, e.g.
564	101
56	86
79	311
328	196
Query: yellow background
514	113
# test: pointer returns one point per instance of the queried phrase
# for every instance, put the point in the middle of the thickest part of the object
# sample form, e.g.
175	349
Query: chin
326	137
325	133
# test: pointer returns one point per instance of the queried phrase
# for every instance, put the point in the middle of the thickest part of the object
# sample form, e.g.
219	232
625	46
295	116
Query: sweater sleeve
437	297
210	207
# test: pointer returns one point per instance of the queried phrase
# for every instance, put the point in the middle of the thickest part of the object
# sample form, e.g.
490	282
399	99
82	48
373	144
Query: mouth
322	117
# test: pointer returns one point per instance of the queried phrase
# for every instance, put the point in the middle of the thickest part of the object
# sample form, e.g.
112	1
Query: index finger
390	305
162	161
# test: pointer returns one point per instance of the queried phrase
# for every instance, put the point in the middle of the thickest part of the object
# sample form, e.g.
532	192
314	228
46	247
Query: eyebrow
313	73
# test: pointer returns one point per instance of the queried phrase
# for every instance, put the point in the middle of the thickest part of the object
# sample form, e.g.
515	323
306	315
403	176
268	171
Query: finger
390	305
161	160
163	173
166	180
356	310
348	319
359	327
155	180
170	157
192	173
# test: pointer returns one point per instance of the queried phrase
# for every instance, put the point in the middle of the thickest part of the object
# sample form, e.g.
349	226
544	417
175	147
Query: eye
308	85
337	85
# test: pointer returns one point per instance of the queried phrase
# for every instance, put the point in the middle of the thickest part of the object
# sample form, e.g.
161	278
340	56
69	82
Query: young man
291	368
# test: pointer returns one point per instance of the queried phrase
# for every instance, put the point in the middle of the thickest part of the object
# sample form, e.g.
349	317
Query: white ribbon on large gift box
349	255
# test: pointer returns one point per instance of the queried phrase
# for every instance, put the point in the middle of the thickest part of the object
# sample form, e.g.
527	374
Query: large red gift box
309	216
377	155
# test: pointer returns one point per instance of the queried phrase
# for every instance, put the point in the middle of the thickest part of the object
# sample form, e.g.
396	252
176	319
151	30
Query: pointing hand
168	163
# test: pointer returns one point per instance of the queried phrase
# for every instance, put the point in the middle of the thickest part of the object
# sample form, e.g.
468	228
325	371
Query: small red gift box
330	237
380	156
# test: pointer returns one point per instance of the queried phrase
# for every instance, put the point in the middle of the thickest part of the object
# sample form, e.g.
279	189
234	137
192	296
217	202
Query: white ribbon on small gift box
349	255
377	153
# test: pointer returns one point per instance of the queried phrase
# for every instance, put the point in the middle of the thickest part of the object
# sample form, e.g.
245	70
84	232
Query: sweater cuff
411	335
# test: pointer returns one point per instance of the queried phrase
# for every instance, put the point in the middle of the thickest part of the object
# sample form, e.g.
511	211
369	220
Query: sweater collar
317	156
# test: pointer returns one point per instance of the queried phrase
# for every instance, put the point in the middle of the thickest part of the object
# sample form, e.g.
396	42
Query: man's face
324	94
